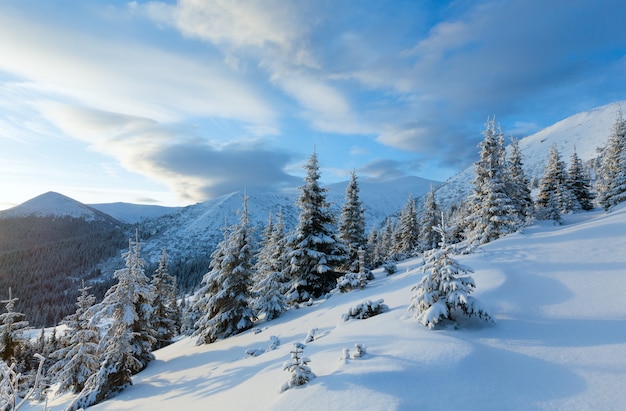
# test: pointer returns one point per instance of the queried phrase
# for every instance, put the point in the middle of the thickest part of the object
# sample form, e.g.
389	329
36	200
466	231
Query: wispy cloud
191	166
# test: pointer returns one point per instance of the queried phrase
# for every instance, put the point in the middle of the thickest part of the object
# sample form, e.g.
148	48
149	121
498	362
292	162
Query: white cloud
128	77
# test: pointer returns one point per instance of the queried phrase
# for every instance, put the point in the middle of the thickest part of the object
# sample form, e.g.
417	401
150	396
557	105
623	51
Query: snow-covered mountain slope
559	341
584	132
53	204
133	213
198	228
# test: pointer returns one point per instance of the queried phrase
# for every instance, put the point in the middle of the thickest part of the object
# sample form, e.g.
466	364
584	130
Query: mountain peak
53	204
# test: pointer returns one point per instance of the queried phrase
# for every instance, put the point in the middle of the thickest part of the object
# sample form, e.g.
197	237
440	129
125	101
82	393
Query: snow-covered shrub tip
349	282
298	367
366	309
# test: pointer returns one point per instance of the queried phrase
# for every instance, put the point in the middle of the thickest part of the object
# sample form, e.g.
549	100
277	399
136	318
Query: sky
173	103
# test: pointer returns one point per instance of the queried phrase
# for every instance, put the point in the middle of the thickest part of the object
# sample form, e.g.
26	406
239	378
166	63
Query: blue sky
173	103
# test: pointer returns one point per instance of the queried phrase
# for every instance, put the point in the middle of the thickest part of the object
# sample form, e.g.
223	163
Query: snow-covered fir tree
12	327
80	359
492	213
554	196
406	233
269	285
299	368
517	185
445	287
128	337
352	225
166	312
579	185
429	238
223	302
313	249
611	185
374	255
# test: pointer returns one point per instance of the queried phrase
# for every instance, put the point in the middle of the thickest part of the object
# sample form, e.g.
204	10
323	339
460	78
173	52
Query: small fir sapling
298	367
445	287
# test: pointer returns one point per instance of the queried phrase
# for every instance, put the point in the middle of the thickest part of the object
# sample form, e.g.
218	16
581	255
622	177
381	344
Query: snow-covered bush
359	350
298	367
350	281
366	309
390	267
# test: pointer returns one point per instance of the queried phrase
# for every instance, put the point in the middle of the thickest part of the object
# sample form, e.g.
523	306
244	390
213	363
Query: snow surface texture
557	293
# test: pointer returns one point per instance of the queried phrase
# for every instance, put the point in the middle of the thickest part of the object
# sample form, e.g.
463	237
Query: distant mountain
134	213
53	204
585	132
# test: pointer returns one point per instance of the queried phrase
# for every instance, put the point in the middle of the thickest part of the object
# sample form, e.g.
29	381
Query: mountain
585	132
53	204
133	213
47	246
558	343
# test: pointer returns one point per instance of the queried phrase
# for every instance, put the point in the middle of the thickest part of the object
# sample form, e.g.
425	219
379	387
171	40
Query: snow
53	204
558	344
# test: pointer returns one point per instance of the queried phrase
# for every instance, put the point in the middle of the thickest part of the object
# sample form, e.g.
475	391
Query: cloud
190	166
385	169
129	77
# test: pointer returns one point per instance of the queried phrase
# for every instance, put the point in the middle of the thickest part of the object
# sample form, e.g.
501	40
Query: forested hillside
43	259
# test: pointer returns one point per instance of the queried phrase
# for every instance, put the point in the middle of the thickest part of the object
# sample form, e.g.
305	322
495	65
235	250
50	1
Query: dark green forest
43	259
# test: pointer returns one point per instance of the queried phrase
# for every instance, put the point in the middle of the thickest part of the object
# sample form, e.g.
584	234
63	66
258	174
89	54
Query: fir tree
554	196
223	302
313	251
298	367
445	287
166	311
518	186
428	236
352	225
579	185
269	286
611	184
12	328
406	235
492	211
80	359
126	343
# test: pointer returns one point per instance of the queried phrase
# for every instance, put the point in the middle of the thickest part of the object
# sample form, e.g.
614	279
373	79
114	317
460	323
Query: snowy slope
585	132
53	204
559	341
133	213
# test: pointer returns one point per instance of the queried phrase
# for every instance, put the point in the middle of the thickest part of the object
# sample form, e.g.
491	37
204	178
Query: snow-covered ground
557	293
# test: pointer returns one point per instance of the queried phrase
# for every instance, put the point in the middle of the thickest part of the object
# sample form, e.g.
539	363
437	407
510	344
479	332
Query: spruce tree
80	358
166	312
611	184
128	337
491	209
518	186
12	327
269	283
554	196
352	225
224	300
429	218
579	185
313	250
445	287
406	234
